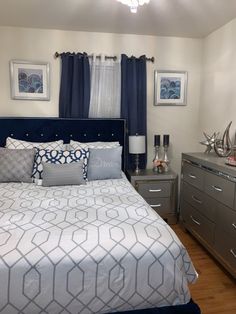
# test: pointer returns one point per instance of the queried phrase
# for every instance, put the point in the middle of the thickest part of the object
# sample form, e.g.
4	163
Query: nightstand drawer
153	188
226	221
200	224
226	247
160	204
220	189
159	190
202	202
193	175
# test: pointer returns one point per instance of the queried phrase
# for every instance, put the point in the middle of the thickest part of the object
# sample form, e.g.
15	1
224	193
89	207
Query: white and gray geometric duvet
96	248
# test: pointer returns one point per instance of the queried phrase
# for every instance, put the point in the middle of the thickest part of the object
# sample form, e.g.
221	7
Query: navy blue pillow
58	157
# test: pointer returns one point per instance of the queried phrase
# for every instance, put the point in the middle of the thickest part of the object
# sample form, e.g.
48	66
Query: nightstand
159	190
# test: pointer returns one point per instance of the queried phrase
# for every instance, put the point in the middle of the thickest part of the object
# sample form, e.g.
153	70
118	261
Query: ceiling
182	18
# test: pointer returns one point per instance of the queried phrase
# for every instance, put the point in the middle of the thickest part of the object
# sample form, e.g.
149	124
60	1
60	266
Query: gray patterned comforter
87	249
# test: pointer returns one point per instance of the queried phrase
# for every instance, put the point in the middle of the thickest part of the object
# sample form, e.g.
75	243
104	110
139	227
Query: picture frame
29	80
170	88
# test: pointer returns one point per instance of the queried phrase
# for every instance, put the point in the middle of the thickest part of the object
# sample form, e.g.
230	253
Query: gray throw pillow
63	174
16	165
104	163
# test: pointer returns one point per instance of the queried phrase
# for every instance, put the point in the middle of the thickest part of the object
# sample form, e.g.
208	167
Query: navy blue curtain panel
134	100
75	86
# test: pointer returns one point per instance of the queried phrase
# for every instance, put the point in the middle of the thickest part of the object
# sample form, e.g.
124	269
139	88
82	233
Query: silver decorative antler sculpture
209	141
223	146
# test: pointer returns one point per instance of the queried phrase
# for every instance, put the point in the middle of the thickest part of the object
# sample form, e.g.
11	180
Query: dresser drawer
220	189
226	221
200	224
149	189
226	248
160	204
193	175
202	202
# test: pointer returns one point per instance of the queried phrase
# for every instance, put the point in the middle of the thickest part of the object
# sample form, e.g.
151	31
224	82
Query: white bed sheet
96	248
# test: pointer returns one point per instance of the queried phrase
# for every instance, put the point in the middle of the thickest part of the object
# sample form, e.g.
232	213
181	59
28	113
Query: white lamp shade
137	144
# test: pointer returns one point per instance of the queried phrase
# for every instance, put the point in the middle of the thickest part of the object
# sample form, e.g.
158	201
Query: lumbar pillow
63	174
104	163
58	157
19	144
16	165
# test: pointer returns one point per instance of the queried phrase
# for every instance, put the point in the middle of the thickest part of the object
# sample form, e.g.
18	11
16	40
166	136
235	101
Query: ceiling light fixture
134	4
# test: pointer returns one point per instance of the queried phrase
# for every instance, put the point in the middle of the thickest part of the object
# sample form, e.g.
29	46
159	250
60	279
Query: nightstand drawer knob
233	224
155	206
217	188
195	221
153	191
196	199
232	252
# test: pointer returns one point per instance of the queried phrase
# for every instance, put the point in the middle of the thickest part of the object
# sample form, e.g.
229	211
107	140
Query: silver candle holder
161	164
156	159
166	140
166	158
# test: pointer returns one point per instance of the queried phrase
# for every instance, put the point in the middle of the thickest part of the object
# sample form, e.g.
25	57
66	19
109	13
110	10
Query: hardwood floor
215	290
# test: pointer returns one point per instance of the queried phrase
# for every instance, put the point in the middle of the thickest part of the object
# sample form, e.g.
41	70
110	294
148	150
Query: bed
92	248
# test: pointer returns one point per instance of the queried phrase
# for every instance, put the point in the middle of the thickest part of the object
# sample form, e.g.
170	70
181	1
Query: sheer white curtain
105	94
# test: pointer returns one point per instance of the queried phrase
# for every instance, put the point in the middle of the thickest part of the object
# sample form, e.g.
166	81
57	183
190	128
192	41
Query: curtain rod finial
56	55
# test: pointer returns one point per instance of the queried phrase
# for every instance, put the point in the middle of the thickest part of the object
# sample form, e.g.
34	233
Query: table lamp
137	146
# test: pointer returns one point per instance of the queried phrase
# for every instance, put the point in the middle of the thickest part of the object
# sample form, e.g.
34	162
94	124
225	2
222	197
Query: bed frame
83	130
53	129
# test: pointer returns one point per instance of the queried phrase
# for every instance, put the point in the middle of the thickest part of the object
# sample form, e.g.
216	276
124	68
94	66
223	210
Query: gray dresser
159	190
208	205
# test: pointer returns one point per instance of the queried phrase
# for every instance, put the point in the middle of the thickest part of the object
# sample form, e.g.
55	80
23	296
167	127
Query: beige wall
218	97
170	53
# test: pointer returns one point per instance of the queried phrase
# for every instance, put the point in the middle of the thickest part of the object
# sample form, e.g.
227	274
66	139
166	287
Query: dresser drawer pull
195	221
196	199
192	176
232	252
233	224
217	188
157	205
153	191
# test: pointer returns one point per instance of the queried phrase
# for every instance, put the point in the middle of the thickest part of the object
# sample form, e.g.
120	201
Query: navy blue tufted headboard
51	129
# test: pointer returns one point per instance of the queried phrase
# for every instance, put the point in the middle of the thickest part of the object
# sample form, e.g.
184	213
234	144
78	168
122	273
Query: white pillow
13	143
87	145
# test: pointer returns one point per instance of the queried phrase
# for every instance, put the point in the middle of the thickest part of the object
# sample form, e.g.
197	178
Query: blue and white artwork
30	80
170	88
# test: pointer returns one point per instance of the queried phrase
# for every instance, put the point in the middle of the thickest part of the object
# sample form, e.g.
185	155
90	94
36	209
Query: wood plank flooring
215	290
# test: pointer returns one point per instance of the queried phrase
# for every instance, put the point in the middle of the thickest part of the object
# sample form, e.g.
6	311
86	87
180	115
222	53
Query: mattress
94	248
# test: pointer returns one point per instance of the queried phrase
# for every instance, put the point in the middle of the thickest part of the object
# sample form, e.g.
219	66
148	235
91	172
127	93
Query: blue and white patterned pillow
58	157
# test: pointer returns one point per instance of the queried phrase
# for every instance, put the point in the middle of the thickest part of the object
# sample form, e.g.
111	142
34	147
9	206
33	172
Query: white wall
218	97
170	53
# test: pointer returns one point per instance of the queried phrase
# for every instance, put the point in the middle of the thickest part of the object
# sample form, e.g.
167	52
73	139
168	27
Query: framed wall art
170	88
29	80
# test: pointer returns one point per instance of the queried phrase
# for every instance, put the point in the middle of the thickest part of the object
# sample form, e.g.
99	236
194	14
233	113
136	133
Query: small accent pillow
87	145
58	157
16	165
19	144
63	174
104	163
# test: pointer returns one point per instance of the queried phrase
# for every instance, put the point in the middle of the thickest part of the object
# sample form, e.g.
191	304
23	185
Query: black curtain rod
152	59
